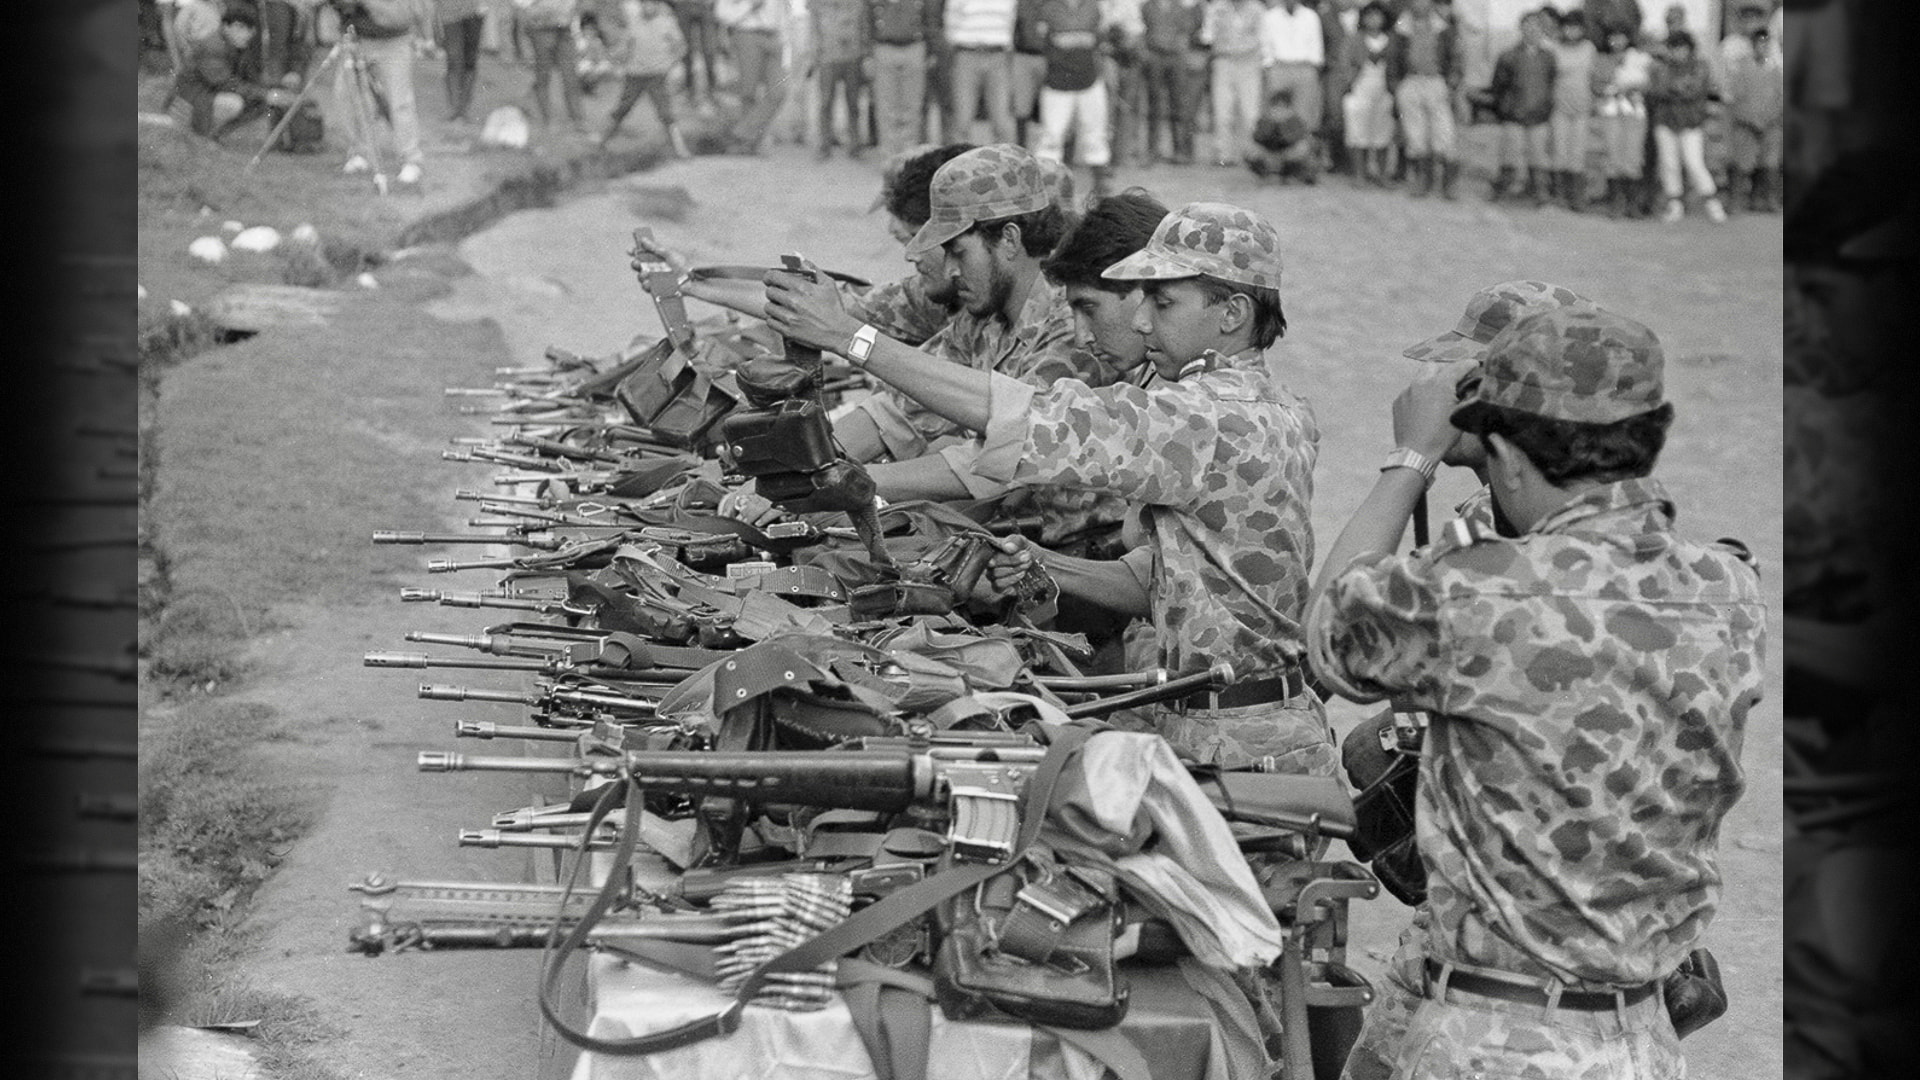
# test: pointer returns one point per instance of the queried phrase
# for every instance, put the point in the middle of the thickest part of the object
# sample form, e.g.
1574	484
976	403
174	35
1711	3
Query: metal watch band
1405	458
861	346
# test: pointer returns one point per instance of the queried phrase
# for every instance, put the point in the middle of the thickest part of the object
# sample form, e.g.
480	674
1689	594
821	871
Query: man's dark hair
1112	229
1386	17
908	195
1565	450
1039	229
240	13
1269	321
1680	39
1576	17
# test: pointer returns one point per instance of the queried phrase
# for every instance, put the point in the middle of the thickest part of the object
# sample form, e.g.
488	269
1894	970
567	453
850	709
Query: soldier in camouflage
1589	681
1488	312
1216	462
910	309
993	217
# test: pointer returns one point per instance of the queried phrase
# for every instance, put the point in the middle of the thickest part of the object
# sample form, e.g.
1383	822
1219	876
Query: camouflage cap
1581	363
890	172
1214	239
1059	180
980	185
1492	310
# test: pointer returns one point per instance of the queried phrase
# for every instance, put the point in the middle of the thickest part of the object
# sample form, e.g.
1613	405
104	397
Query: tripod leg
332	57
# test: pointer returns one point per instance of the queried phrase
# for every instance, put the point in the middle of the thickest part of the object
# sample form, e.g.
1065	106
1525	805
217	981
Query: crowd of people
1591	103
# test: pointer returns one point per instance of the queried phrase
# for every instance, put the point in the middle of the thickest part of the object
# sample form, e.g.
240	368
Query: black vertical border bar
71	236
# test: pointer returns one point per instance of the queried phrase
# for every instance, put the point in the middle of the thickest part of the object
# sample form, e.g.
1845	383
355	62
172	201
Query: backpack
306	133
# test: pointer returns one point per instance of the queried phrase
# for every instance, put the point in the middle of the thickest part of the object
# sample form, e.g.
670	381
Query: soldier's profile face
1103	325
980	283
1177	325
930	264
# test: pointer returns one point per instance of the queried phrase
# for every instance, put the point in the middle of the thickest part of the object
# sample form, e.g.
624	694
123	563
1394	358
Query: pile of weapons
795	720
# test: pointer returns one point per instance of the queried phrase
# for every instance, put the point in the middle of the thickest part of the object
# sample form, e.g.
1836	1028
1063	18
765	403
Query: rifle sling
866	925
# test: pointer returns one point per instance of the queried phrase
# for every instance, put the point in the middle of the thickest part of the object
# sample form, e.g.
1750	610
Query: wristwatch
861	346
1404	458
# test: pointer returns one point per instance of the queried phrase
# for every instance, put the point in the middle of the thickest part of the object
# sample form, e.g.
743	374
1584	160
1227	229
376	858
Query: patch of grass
287	1027
214	818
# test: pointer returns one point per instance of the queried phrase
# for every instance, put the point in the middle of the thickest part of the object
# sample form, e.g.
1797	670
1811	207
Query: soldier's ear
1236	314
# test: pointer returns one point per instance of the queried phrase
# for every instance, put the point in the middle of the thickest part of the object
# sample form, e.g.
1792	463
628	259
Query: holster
1033	944
674	400
1694	994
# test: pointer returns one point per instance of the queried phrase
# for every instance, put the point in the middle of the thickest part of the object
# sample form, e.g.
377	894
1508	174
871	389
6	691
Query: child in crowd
221	80
1522	93
1573	60
1282	142
649	45
1368	103
1620	77
1677	99
1756	88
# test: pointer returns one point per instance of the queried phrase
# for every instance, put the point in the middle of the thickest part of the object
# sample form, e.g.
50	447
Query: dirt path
1367	273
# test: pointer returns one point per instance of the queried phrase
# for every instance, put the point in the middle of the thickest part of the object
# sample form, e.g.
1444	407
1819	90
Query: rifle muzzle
447	761
484	663
494	838
433	692
486	729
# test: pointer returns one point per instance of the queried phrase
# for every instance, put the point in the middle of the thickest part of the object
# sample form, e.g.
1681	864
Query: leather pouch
1033	944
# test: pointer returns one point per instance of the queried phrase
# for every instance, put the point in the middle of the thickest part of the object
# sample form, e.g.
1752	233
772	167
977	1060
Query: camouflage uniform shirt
899	309
1219	469
1589	685
1038	349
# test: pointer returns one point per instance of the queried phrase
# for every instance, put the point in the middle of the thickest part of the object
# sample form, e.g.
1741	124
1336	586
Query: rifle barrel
484	729
1214	678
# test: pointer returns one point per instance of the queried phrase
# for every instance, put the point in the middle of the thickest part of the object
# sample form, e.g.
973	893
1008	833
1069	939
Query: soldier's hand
746	505
656	251
808	312
1013	557
1421	413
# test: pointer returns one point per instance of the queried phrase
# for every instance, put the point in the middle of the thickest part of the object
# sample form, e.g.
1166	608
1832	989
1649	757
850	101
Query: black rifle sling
866	925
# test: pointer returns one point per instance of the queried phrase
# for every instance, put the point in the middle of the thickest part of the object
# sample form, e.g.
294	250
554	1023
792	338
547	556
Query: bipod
360	96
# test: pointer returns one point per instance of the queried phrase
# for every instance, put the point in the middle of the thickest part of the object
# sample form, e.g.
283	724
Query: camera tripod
360	99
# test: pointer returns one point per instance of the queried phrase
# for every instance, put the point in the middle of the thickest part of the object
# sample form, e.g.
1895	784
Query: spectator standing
1333	86
1522	93
901	30
754	32
220	78
459	22
939	106
981	35
1073	96
386	30
1677	108
1232	33
841	45
1573	59
549	27
1620	77
649	45
701	32
1121	70
1756	88
1295	50
1029	67
1169	29
286	40
1423	68
1365	100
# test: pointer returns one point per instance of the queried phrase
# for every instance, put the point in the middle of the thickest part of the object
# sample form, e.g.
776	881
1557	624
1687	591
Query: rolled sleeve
897	433
1009	418
1375	633
963	459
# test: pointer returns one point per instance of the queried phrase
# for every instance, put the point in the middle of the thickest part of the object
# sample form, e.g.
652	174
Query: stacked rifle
760	730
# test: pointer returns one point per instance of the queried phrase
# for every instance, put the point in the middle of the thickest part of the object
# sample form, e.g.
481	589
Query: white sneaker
1715	211
355	164
409	173
1675	211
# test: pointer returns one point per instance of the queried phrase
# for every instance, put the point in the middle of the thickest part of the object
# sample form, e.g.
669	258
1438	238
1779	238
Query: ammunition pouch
1694	994
792	437
674	400
1385	771
767	383
1033	944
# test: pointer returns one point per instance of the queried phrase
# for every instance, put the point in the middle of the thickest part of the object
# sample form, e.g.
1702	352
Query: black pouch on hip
1694	994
